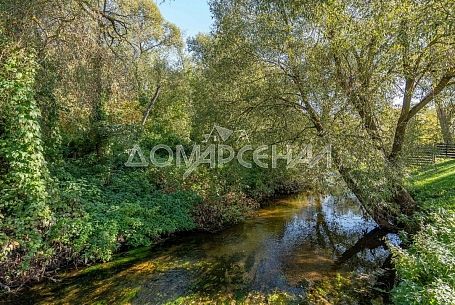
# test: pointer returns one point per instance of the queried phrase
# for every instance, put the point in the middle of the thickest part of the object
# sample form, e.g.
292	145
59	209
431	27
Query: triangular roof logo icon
223	132
136	150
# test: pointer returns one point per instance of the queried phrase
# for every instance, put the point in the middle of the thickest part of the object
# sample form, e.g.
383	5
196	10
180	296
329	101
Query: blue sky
191	16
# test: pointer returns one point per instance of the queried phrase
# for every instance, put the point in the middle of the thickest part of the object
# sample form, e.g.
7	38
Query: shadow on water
285	247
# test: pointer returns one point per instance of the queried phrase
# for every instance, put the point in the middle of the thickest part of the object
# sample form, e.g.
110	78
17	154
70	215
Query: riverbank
100	208
286	254
426	270
295	241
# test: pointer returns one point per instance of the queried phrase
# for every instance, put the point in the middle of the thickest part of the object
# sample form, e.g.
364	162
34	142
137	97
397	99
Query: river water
278	255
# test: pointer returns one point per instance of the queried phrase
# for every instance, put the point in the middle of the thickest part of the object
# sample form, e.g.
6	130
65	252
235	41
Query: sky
191	16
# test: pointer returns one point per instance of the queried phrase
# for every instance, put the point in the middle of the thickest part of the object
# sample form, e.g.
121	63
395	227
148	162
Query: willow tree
344	66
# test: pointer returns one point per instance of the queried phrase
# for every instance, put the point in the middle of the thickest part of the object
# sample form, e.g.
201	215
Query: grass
434	187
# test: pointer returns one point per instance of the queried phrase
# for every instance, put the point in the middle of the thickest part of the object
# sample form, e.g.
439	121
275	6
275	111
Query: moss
118	260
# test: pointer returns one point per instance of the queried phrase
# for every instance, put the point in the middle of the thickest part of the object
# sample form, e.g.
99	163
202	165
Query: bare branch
151	104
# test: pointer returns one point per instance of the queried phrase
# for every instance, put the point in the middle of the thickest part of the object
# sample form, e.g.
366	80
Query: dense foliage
83	82
427	268
80	84
25	214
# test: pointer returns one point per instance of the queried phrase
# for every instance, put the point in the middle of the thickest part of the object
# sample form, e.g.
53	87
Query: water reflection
296	240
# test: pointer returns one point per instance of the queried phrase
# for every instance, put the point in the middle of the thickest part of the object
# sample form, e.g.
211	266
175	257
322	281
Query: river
297	250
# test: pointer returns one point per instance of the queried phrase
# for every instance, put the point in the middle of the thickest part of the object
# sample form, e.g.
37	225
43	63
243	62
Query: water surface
282	250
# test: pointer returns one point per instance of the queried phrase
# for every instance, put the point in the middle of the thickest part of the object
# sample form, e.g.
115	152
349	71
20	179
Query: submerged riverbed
299	250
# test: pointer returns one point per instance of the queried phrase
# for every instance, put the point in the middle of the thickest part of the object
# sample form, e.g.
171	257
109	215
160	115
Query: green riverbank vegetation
427	268
85	82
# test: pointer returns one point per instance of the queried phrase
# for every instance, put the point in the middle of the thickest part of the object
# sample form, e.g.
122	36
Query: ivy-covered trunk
24	209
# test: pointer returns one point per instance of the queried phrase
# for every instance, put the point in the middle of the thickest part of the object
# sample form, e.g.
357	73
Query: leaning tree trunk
151	104
380	217
401	196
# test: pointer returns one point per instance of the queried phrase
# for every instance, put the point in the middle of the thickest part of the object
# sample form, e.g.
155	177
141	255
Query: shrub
231	208
129	210
427	268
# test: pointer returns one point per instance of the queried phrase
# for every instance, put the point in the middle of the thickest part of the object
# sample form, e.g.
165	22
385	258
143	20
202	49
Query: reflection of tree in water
326	236
371	240
339	238
306	239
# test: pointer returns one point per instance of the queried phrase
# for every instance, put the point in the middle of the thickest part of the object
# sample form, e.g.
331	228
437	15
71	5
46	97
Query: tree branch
151	104
430	95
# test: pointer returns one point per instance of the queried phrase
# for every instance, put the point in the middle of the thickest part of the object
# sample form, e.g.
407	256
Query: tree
24	198
94	50
343	64
445	110
76	61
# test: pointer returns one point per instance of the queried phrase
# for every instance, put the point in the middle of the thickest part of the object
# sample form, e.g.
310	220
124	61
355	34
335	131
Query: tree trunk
404	200
380	217
151	104
444	122
398	140
98	111
383	220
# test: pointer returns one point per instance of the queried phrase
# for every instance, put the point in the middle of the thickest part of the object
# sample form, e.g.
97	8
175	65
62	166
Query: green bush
224	210
95	220
427	268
